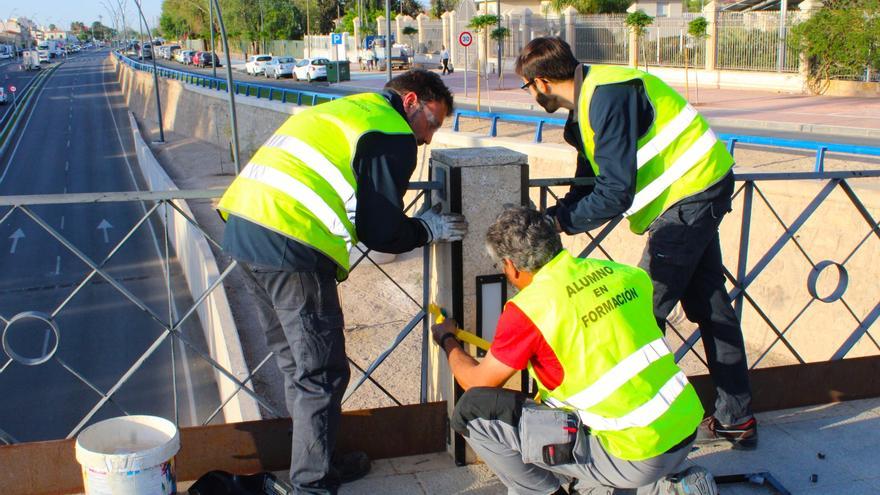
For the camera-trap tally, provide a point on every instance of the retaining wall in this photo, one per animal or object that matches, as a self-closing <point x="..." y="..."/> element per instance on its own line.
<point x="200" y="270"/>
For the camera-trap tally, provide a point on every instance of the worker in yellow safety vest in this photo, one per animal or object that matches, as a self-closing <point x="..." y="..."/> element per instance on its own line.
<point x="330" y="177"/>
<point x="657" y="163"/>
<point x="614" y="411"/>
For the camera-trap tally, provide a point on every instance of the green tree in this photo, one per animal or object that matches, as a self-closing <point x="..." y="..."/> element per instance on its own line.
<point x="481" y="24"/>
<point x="697" y="29"/>
<point x="592" y="6"/>
<point x="410" y="32"/>
<point x="438" y="7"/>
<point x="638" y="21"/>
<point x="840" y="40"/>
<point x="499" y="34"/>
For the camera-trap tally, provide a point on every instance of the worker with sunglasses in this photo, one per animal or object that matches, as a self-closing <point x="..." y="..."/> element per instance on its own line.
<point x="656" y="162"/>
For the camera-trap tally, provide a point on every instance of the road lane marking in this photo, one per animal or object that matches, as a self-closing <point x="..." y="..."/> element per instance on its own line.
<point x="62" y="222"/>
<point x="57" y="268"/>
<point x="66" y="165"/>
<point x="18" y="234"/>
<point x="24" y="130"/>
<point x="46" y="342"/>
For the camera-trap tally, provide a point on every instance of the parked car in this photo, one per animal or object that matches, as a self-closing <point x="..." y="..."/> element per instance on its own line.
<point x="185" y="56"/>
<point x="256" y="63"/>
<point x="205" y="59"/>
<point x="169" y="50"/>
<point x="146" y="52"/>
<point x="279" y="67"/>
<point x="309" y="69"/>
<point x="195" y="58"/>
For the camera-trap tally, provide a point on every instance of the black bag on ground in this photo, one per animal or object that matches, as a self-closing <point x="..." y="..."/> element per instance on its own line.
<point x="223" y="483"/>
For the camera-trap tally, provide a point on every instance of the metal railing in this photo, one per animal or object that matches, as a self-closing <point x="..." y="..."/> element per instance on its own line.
<point x="161" y="206"/>
<point x="759" y="209"/>
<point x="601" y="39"/>
<point x="755" y="41"/>
<point x="284" y="95"/>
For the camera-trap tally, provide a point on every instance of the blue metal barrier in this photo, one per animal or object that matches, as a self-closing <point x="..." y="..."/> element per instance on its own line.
<point x="215" y="83"/>
<point x="495" y="117"/>
<point x="821" y="148"/>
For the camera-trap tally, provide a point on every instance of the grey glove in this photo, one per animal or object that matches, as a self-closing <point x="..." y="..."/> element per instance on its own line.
<point x="443" y="227"/>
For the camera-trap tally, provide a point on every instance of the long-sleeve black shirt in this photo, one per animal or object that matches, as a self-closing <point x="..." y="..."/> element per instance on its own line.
<point x="620" y="114"/>
<point x="383" y="165"/>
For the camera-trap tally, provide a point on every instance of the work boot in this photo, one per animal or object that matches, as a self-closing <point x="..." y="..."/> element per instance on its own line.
<point x="695" y="480"/>
<point x="350" y="466"/>
<point x="743" y="436"/>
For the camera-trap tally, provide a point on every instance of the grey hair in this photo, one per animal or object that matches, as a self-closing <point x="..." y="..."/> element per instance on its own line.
<point x="525" y="237"/>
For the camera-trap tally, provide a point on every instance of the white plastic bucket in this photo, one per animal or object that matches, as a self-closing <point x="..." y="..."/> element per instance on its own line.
<point x="128" y="455"/>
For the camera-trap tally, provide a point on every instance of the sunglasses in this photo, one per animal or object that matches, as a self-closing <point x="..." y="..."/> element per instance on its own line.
<point x="527" y="85"/>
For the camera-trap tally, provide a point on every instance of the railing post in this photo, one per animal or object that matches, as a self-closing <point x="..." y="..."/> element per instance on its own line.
<point x="820" y="159"/>
<point x="539" y="131"/>
<point x="456" y="268"/>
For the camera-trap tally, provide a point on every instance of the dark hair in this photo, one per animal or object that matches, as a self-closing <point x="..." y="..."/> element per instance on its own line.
<point x="548" y="58"/>
<point x="425" y="84"/>
<point x="525" y="237"/>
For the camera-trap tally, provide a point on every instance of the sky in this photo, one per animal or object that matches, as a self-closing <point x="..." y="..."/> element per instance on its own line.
<point x="63" y="12"/>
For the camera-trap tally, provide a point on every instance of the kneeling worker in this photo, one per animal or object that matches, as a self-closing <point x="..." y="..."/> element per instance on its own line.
<point x="616" y="411"/>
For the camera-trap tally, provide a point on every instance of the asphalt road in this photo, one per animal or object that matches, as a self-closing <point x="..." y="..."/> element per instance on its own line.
<point x="12" y="75"/>
<point x="77" y="139"/>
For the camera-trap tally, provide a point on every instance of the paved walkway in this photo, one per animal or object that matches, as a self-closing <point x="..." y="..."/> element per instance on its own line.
<point x="725" y="107"/>
<point x="836" y="445"/>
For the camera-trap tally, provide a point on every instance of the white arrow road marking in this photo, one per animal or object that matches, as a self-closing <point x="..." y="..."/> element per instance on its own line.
<point x="104" y="225"/>
<point x="18" y="234"/>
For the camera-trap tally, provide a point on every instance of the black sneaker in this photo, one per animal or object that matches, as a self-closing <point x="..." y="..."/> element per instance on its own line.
<point x="743" y="436"/>
<point x="351" y="466"/>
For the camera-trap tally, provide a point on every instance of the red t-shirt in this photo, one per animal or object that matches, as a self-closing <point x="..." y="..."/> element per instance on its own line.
<point x="519" y="342"/>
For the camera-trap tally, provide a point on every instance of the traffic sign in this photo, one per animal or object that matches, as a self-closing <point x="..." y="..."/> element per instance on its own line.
<point x="336" y="38"/>
<point x="465" y="38"/>
<point x="12" y="89"/>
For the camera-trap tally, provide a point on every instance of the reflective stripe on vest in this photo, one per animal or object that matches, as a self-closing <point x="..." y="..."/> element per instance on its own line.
<point x="678" y="157"/>
<point x="618" y="373"/>
<point x="300" y="183"/>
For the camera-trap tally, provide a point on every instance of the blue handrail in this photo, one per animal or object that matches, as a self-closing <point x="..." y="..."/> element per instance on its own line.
<point x="258" y="90"/>
<point x="732" y="139"/>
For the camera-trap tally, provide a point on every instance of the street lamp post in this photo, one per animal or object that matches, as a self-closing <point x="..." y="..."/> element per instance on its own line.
<point x="155" y="72"/>
<point x="230" y="89"/>
<point x="213" y="53"/>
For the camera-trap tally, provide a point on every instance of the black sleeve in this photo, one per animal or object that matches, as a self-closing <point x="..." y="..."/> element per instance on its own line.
<point x="572" y="135"/>
<point x="614" y="116"/>
<point x="383" y="165"/>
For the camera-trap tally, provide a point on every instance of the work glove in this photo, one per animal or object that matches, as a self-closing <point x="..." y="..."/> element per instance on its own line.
<point x="443" y="227"/>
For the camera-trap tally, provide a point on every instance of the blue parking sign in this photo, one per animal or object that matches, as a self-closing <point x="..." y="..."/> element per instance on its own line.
<point x="336" y="38"/>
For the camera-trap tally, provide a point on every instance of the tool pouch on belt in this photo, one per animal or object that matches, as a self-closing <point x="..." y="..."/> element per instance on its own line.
<point x="547" y="435"/>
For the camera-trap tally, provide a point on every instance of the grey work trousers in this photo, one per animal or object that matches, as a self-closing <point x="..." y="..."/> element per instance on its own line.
<point x="683" y="258"/>
<point x="489" y="419"/>
<point x="302" y="318"/>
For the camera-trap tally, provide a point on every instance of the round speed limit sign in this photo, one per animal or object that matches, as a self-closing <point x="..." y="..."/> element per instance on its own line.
<point x="465" y="38"/>
<point x="12" y="89"/>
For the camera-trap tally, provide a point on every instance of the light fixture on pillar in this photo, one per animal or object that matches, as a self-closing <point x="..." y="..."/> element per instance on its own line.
<point x="491" y="296"/>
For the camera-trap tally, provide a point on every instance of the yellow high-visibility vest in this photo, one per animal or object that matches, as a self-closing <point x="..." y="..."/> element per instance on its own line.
<point x="619" y="375"/>
<point x="678" y="157"/>
<point x="300" y="183"/>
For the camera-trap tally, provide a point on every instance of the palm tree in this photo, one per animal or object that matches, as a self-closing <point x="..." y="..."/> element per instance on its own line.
<point x="499" y="34"/>
<point x="481" y="24"/>
<point x="638" y="21"/>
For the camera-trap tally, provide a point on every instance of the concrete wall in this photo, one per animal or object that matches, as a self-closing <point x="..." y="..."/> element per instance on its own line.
<point x="833" y="232"/>
<point x="200" y="269"/>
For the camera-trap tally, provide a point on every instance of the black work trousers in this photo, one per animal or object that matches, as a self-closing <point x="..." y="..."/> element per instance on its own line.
<point x="302" y="318"/>
<point x="683" y="258"/>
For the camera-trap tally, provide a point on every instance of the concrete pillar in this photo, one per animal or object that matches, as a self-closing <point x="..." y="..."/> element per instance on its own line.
<point x="807" y="9"/>
<point x="444" y="39"/>
<point x="570" y="14"/>
<point x="420" y="25"/>
<point x="357" y="35"/>
<point x="452" y="42"/>
<point x="710" y="12"/>
<point x="380" y="25"/>
<point x="633" y="49"/>
<point x="525" y="28"/>
<point x="479" y="182"/>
